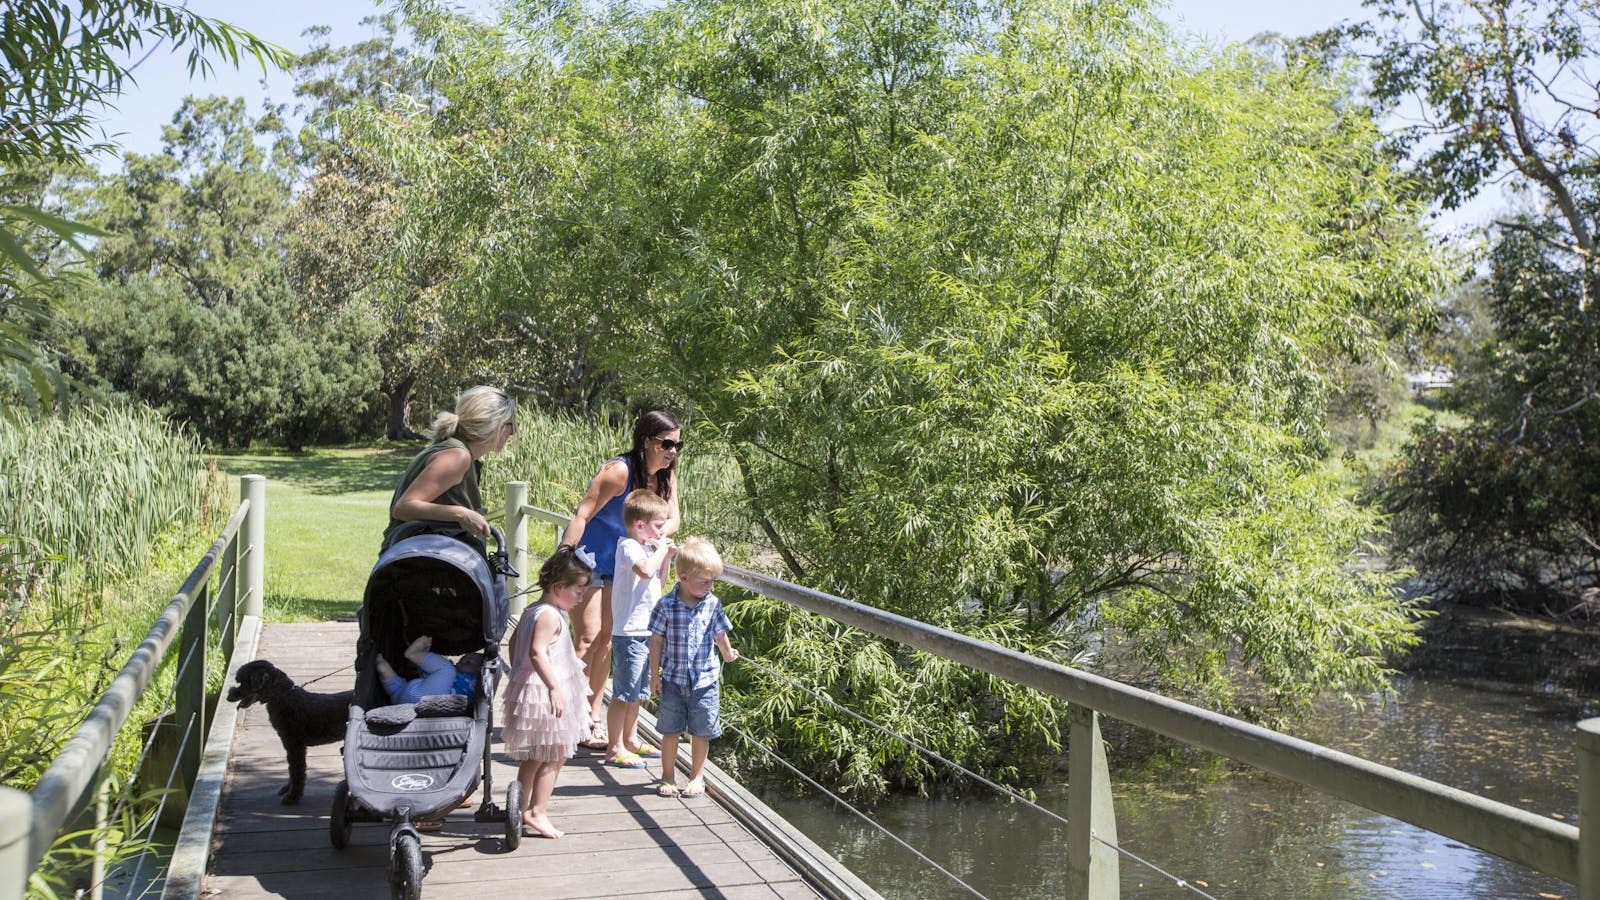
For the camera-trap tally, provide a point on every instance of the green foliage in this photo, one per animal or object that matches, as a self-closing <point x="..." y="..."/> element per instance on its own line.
<point x="1503" y="84"/>
<point x="557" y="454"/>
<point x="87" y="495"/>
<point x="251" y="369"/>
<point x="60" y="62"/>
<point x="195" y="314"/>
<point x="344" y="240"/>
<point x="1502" y="510"/>
<point x="94" y="501"/>
<point x="1498" y="510"/>
<point x="788" y="658"/>
<point x="1023" y="307"/>
<point x="983" y="326"/>
<point x="63" y="60"/>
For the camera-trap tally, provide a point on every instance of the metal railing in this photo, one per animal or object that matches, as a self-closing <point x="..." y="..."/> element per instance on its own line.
<point x="1570" y="853"/>
<point x="32" y="821"/>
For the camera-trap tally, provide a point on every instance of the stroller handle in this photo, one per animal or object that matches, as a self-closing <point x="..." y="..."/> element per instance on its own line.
<point x="499" y="560"/>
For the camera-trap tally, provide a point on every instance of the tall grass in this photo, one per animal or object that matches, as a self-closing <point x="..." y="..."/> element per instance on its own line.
<point x="557" y="455"/>
<point x="95" y="510"/>
<point x="86" y="497"/>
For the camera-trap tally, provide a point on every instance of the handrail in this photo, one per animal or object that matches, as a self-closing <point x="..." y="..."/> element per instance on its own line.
<point x="1538" y="843"/>
<point x="64" y="789"/>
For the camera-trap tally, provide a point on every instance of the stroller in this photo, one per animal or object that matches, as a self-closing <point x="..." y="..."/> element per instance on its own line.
<point x="404" y="763"/>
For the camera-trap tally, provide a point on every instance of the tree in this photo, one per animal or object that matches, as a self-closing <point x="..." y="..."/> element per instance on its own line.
<point x="1494" y="509"/>
<point x="60" y="62"/>
<point x="347" y="218"/>
<point x="490" y="173"/>
<point x="1021" y="311"/>
<point x="1015" y="320"/>
<point x="197" y="316"/>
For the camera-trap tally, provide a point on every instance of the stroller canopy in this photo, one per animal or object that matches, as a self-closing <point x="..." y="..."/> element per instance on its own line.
<point x="435" y="584"/>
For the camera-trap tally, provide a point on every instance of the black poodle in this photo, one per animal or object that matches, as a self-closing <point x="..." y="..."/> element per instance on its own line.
<point x="300" y="717"/>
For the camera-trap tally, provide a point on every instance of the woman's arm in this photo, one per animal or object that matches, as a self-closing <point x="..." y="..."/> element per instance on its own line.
<point x="443" y="472"/>
<point x="610" y="481"/>
<point x="673" y="520"/>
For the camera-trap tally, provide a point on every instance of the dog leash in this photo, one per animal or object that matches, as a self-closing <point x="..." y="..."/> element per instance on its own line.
<point x="329" y="675"/>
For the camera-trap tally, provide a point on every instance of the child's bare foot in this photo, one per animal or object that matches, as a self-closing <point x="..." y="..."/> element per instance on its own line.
<point x="542" y="826"/>
<point x="385" y="671"/>
<point x="419" y="648"/>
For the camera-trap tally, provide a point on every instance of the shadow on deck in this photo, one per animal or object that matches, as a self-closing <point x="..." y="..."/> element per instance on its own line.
<point x="621" y="839"/>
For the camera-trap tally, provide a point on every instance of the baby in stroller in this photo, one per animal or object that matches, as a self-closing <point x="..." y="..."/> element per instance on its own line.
<point x="439" y="675"/>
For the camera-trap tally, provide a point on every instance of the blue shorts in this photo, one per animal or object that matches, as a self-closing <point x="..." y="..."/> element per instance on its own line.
<point x="698" y="708"/>
<point x="630" y="668"/>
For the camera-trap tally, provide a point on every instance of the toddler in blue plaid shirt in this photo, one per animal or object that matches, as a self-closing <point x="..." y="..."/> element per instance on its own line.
<point x="685" y="626"/>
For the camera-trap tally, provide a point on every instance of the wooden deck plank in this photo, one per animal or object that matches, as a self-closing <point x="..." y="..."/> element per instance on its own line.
<point x="621" y="839"/>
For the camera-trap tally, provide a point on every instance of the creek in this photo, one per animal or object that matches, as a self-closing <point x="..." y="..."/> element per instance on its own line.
<point x="1237" y="833"/>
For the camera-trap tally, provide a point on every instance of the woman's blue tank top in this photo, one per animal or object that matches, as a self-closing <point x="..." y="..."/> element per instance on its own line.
<point x="601" y="534"/>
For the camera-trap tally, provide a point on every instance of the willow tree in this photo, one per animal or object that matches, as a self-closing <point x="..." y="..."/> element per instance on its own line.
<point x="1020" y="310"/>
<point x="1014" y="317"/>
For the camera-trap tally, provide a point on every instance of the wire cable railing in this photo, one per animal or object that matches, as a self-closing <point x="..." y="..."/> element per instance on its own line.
<point x="76" y="782"/>
<point x="998" y="788"/>
<point x="1554" y="848"/>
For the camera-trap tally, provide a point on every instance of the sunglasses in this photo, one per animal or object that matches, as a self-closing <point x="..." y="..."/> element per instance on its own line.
<point x="667" y="444"/>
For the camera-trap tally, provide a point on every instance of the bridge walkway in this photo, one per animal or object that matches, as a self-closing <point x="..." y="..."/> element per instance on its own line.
<point x="621" y="839"/>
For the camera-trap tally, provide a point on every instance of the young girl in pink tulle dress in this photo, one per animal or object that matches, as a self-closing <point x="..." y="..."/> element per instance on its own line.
<point x="547" y="696"/>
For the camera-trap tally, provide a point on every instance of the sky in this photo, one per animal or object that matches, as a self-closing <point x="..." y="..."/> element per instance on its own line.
<point x="161" y="80"/>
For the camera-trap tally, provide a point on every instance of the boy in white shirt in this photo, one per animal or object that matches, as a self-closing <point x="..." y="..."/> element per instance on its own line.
<point x="642" y="560"/>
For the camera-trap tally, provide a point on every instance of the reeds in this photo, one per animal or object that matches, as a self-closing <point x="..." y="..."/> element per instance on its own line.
<point x="85" y="497"/>
<point x="557" y="455"/>
<point x="85" y="501"/>
<point x="88" y="503"/>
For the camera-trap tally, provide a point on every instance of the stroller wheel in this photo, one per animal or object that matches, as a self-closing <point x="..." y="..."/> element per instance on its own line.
<point x="339" y="819"/>
<point x="513" y="815"/>
<point x="405" y="869"/>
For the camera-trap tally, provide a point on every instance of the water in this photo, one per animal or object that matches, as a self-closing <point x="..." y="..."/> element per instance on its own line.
<point x="1233" y="832"/>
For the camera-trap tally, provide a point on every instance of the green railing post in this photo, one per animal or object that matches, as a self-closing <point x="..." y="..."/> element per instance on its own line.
<point x="190" y="701"/>
<point x="16" y="821"/>
<point x="102" y="835"/>
<point x="1589" y="809"/>
<point x="517" y="536"/>
<point x="227" y="620"/>
<point x="253" y="535"/>
<point x="1092" y="869"/>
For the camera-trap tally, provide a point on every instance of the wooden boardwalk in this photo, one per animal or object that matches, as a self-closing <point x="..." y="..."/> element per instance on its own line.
<point x="621" y="839"/>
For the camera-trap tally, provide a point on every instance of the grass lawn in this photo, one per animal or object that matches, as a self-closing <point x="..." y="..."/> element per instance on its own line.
<point x="326" y="511"/>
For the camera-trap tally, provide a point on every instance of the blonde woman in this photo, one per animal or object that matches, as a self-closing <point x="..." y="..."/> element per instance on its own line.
<point x="441" y="484"/>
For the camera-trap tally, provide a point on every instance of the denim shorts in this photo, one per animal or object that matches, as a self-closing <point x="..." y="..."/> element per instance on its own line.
<point x="630" y="668"/>
<point x="696" y="707"/>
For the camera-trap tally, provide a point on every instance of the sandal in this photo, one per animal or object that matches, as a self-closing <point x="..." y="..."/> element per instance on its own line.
<point x="649" y="751"/>
<point x="625" y="761"/>
<point x="427" y="824"/>
<point x="667" y="789"/>
<point x="596" y="739"/>
<point x="695" y="788"/>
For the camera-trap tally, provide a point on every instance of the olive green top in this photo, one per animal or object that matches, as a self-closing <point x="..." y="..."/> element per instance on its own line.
<point x="463" y="493"/>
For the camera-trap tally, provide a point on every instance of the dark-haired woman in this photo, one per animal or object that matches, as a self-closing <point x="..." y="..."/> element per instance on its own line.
<point x="650" y="464"/>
